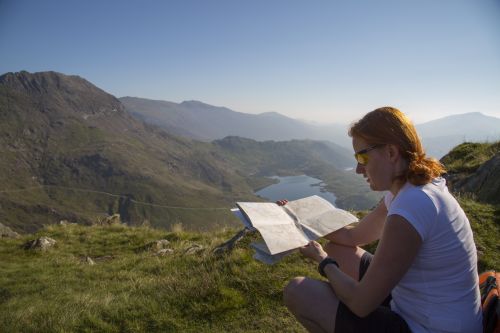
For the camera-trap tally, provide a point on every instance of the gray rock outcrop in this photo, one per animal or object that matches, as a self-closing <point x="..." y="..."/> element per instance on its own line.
<point x="41" y="244"/>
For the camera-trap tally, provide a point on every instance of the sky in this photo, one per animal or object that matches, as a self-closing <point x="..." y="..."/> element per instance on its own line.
<point x="325" y="61"/>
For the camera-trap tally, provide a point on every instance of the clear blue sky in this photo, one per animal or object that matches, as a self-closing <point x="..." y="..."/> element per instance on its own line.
<point x="328" y="61"/>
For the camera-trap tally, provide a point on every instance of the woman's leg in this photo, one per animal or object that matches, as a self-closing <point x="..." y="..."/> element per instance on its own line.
<point x="348" y="257"/>
<point x="313" y="303"/>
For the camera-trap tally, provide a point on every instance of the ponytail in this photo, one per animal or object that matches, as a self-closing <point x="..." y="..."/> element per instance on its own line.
<point x="422" y="170"/>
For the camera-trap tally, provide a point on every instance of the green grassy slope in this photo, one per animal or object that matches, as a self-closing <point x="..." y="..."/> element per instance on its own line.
<point x="57" y="291"/>
<point x="131" y="290"/>
<point x="474" y="177"/>
<point x="474" y="168"/>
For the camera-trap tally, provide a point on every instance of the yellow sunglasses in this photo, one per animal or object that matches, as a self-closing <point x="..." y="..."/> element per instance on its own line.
<point x="362" y="155"/>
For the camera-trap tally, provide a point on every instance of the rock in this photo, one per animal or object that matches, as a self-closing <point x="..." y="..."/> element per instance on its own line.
<point x="89" y="261"/>
<point x="93" y="261"/>
<point x="104" y="258"/>
<point x="164" y="252"/>
<point x="155" y="246"/>
<point x="229" y="245"/>
<point x="41" y="244"/>
<point x="6" y="232"/>
<point x="159" y="244"/>
<point x="113" y="219"/>
<point x="66" y="222"/>
<point x="193" y="249"/>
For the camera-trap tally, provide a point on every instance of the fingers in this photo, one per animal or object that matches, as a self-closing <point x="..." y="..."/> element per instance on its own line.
<point x="282" y="202"/>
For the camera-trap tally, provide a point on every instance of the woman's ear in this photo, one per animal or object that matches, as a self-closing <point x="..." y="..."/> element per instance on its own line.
<point x="393" y="152"/>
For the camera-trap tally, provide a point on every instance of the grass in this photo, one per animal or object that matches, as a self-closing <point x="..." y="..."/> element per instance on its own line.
<point x="485" y="222"/>
<point x="57" y="291"/>
<point x="468" y="157"/>
<point x="129" y="289"/>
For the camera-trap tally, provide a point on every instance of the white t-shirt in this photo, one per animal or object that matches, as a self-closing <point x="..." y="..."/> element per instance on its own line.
<point x="440" y="292"/>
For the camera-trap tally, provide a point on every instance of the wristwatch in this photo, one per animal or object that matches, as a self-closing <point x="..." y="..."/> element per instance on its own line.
<point x="323" y="263"/>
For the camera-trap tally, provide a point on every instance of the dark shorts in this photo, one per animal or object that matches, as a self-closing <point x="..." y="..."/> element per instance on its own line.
<point x="383" y="319"/>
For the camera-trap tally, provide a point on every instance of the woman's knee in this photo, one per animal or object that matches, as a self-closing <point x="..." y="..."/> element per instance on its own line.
<point x="292" y="291"/>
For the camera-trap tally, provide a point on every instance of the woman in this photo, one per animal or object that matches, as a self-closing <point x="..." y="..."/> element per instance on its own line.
<point x="423" y="277"/>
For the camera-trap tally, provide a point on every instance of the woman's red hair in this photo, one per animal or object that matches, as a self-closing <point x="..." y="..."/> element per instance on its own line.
<point x="388" y="125"/>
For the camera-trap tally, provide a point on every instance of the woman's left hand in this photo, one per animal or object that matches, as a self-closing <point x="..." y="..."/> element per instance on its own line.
<point x="314" y="251"/>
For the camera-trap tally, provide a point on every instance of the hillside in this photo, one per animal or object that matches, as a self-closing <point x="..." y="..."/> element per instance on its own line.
<point x="474" y="177"/>
<point x="474" y="168"/>
<point x="130" y="289"/>
<point x="78" y="154"/>
<point x="72" y="151"/>
<point x="111" y="278"/>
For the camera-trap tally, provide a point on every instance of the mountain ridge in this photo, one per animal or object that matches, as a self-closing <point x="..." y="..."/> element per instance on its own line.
<point x="438" y="136"/>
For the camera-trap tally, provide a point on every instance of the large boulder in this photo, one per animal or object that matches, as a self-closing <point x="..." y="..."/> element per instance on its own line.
<point x="484" y="182"/>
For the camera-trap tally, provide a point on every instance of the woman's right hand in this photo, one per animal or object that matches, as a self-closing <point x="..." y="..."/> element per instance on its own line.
<point x="282" y="202"/>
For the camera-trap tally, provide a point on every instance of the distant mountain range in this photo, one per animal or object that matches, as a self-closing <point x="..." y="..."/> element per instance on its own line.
<point x="206" y="122"/>
<point x="72" y="151"/>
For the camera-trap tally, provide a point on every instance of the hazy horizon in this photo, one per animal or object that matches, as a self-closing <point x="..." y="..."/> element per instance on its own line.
<point x="311" y="121"/>
<point x="327" y="62"/>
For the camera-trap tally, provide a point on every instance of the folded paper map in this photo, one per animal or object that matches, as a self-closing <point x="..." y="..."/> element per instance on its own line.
<point x="285" y="228"/>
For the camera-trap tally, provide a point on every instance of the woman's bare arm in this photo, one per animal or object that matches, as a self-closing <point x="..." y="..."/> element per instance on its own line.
<point x="396" y="251"/>
<point x="366" y="231"/>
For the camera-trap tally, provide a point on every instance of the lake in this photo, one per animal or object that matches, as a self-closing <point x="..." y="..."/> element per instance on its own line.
<point x="296" y="187"/>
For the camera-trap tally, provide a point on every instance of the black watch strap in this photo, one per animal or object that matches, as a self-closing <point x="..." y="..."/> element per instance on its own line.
<point x="323" y="263"/>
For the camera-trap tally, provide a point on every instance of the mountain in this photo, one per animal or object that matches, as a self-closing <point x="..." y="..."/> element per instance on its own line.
<point x="207" y="122"/>
<point x="441" y="135"/>
<point x="60" y="134"/>
<point x="71" y="151"/>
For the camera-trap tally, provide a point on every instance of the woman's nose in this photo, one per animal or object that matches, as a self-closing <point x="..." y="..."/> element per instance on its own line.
<point x="360" y="168"/>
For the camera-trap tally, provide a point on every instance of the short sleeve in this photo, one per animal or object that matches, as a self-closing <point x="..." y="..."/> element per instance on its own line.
<point x="417" y="208"/>
<point x="388" y="199"/>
